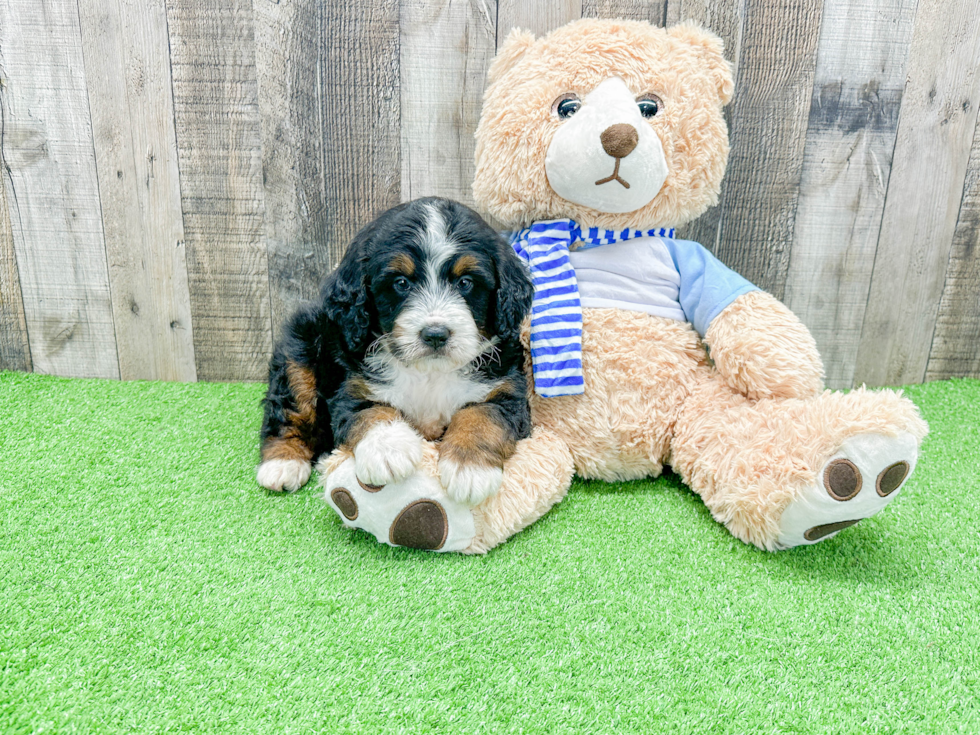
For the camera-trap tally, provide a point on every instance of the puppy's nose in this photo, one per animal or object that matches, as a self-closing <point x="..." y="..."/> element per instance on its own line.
<point x="435" y="336"/>
<point x="619" y="140"/>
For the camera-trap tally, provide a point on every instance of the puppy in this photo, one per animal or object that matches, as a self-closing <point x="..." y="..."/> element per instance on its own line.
<point x="416" y="334"/>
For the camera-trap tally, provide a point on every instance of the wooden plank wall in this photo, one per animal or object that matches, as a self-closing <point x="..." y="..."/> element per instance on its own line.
<point x="177" y="176"/>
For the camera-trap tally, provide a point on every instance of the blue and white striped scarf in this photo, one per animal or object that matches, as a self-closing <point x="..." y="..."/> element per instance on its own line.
<point x="556" y="314"/>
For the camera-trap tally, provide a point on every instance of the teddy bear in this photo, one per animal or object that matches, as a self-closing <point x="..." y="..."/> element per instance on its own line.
<point x="595" y="143"/>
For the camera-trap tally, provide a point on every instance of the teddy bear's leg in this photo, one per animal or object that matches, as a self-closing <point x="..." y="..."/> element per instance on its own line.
<point x="780" y="473"/>
<point x="535" y="478"/>
<point x="414" y="512"/>
<point x="418" y="513"/>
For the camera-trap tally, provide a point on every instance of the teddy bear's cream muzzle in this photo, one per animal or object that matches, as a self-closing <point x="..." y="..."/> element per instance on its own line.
<point x="607" y="156"/>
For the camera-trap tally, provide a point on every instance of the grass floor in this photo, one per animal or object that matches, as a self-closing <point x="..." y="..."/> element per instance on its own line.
<point x="149" y="585"/>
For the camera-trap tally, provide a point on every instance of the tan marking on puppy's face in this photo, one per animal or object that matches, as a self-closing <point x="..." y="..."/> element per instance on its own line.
<point x="473" y="437"/>
<point x="465" y="264"/>
<point x="366" y="420"/>
<point x="402" y="263"/>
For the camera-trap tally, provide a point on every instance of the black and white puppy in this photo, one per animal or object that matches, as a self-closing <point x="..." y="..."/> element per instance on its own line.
<point x="416" y="335"/>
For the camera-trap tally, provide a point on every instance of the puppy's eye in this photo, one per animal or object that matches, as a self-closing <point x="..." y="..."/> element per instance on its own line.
<point x="650" y="105"/>
<point x="566" y="106"/>
<point x="402" y="285"/>
<point x="465" y="285"/>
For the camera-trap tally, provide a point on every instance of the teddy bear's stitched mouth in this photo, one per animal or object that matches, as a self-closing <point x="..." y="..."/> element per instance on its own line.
<point x="615" y="177"/>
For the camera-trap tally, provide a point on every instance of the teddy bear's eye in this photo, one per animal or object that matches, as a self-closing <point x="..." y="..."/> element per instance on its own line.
<point x="566" y="106"/>
<point x="650" y="105"/>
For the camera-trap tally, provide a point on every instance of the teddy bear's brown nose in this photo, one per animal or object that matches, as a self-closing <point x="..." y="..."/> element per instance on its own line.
<point x="619" y="140"/>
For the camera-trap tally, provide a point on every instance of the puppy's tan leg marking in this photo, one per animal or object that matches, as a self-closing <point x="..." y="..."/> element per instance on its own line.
<point x="472" y="455"/>
<point x="286" y="458"/>
<point x="506" y="388"/>
<point x="368" y="419"/>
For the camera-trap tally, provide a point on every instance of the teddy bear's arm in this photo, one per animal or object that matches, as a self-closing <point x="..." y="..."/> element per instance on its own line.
<point x="757" y="344"/>
<point x="763" y="350"/>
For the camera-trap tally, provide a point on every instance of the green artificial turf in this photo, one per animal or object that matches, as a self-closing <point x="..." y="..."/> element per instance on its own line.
<point x="149" y="585"/>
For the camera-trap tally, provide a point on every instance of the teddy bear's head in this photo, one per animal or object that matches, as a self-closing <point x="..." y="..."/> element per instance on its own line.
<point x="611" y="123"/>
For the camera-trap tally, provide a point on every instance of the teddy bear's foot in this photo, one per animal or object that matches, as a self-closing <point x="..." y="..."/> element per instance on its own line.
<point x="419" y="513"/>
<point x="414" y="512"/>
<point x="858" y="481"/>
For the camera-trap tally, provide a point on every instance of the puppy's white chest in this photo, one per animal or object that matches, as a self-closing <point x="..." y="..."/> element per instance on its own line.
<point x="429" y="399"/>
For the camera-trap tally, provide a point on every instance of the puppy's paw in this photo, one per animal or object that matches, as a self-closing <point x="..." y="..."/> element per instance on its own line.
<point x="469" y="484"/>
<point x="387" y="453"/>
<point x="283" y="474"/>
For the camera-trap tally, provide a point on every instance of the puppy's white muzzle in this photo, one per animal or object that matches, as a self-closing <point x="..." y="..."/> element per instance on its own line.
<point x="579" y="155"/>
<point x="437" y="328"/>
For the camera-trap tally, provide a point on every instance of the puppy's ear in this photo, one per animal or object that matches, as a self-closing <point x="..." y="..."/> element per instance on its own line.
<point x="346" y="298"/>
<point x="514" y="292"/>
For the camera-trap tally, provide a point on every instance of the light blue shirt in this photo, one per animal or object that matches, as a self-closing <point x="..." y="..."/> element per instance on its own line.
<point x="675" y="279"/>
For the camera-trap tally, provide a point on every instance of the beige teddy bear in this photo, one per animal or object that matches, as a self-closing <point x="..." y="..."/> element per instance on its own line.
<point x="594" y="143"/>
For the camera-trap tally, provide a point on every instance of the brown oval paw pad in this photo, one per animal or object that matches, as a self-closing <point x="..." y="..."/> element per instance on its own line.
<point x="818" y="532"/>
<point x="345" y="502"/>
<point x="891" y="478"/>
<point x="842" y="479"/>
<point x="421" y="525"/>
<point x="369" y="488"/>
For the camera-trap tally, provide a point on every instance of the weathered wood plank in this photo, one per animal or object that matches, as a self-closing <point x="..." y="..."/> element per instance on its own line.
<point x="769" y="120"/>
<point x="857" y="95"/>
<point x="360" y="110"/>
<point x="538" y="17"/>
<point x="289" y="61"/>
<point x="446" y="49"/>
<point x="652" y="11"/>
<point x="935" y="132"/>
<point x="15" y="351"/>
<point x="127" y="64"/>
<point x="220" y="156"/>
<point x="724" y="18"/>
<point x="956" y="343"/>
<point x="53" y="191"/>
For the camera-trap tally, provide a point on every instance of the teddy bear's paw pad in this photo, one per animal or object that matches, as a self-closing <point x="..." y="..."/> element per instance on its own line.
<point x="344" y="502"/>
<point x="415" y="512"/>
<point x="421" y="525"/>
<point x="369" y="488"/>
<point x="857" y="482"/>
<point x="818" y="532"/>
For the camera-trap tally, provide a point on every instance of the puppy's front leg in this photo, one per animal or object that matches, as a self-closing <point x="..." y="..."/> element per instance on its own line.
<point x="289" y="426"/>
<point x="386" y="449"/>
<point x="473" y="451"/>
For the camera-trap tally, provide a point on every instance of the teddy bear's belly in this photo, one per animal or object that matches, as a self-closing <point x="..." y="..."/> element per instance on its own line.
<point x="638" y="371"/>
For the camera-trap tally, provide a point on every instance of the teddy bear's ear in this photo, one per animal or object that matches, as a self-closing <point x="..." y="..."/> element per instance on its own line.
<point x="712" y="51"/>
<point x="518" y="41"/>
